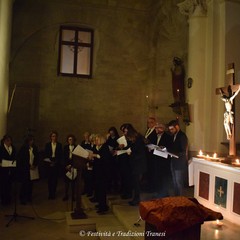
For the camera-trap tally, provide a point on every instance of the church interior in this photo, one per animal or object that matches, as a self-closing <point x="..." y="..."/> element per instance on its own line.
<point x="142" y="58"/>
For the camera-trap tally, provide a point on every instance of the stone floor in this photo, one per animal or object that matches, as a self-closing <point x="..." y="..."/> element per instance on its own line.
<point x="50" y="220"/>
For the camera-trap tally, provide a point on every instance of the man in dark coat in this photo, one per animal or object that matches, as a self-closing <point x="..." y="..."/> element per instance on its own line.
<point x="179" y="146"/>
<point x="162" y="171"/>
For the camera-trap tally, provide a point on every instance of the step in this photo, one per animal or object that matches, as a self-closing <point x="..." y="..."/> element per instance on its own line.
<point x="129" y="216"/>
<point x="94" y="224"/>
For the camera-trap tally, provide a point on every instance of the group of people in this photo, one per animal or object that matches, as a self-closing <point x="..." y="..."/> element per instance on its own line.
<point x="125" y="167"/>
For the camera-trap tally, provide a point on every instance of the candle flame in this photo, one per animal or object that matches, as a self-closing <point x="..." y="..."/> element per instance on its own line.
<point x="237" y="161"/>
<point x="214" y="155"/>
<point x="200" y="153"/>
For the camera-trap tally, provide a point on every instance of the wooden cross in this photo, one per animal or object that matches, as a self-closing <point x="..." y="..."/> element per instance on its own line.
<point x="228" y="94"/>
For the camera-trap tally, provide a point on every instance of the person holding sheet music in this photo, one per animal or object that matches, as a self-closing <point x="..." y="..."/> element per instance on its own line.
<point x="68" y="165"/>
<point x="53" y="155"/>
<point x="178" y="146"/>
<point x="7" y="174"/>
<point x="100" y="156"/>
<point x="150" y="137"/>
<point x="162" y="171"/>
<point x="113" y="183"/>
<point x="137" y="160"/>
<point x="88" y="144"/>
<point x="28" y="158"/>
<point x="124" y="166"/>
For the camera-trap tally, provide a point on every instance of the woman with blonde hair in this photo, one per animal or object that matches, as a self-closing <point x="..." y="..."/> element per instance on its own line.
<point x="101" y="156"/>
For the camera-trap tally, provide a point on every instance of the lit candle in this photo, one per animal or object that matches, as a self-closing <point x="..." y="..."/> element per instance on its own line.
<point x="214" y="155"/>
<point x="200" y="153"/>
<point x="207" y="156"/>
<point x="236" y="162"/>
<point x="218" y="223"/>
<point x="178" y="94"/>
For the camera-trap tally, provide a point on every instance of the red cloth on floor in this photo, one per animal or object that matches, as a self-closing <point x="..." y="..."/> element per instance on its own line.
<point x="175" y="214"/>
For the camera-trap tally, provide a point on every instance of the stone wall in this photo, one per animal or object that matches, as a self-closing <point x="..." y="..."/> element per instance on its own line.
<point x="134" y="44"/>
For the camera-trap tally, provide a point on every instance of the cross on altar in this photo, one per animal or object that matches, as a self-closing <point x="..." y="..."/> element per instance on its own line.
<point x="220" y="191"/>
<point x="227" y="95"/>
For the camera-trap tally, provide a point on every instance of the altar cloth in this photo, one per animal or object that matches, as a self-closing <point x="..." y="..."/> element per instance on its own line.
<point x="175" y="214"/>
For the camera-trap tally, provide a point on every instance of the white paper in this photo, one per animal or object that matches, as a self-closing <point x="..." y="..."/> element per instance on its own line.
<point x="80" y="151"/>
<point x="34" y="173"/>
<point x="152" y="146"/>
<point x="47" y="160"/>
<point x="120" y="152"/>
<point x="90" y="151"/>
<point x="160" y="153"/>
<point x="72" y="174"/>
<point x="9" y="163"/>
<point x="122" y="141"/>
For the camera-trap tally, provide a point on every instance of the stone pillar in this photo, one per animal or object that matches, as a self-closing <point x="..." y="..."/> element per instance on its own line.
<point x="196" y="10"/>
<point x="5" y="39"/>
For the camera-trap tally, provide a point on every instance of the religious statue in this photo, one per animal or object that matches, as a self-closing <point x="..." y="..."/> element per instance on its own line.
<point x="178" y="76"/>
<point x="228" y="114"/>
<point x="180" y="107"/>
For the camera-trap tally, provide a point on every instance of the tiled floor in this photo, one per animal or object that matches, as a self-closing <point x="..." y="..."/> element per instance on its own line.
<point x="50" y="222"/>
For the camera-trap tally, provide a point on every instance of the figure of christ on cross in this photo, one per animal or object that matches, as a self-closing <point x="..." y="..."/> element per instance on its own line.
<point x="228" y="114"/>
<point x="227" y="95"/>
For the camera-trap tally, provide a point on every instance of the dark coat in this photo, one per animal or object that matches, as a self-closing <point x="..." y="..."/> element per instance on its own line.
<point x="152" y="138"/>
<point x="7" y="172"/>
<point x="101" y="164"/>
<point x="112" y="142"/>
<point x="58" y="153"/>
<point x="180" y="148"/>
<point x="138" y="156"/>
<point x="4" y="154"/>
<point x="23" y="164"/>
<point x="66" y="151"/>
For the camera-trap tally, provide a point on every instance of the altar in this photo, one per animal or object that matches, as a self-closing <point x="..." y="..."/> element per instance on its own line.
<point x="217" y="186"/>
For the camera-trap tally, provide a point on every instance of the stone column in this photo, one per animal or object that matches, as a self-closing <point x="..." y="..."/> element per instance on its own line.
<point x="5" y="38"/>
<point x="196" y="95"/>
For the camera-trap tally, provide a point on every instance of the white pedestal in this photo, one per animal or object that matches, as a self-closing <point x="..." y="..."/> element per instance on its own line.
<point x="217" y="186"/>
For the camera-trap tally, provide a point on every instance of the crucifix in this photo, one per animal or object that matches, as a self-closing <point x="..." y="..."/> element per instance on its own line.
<point x="227" y="95"/>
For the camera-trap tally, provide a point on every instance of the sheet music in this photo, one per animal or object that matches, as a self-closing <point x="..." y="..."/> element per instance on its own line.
<point x="120" y="152"/>
<point x="122" y="141"/>
<point x="152" y="146"/>
<point x="163" y="153"/>
<point x="80" y="151"/>
<point x="160" y="153"/>
<point x="47" y="160"/>
<point x="9" y="163"/>
<point x="34" y="173"/>
<point x="72" y="174"/>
